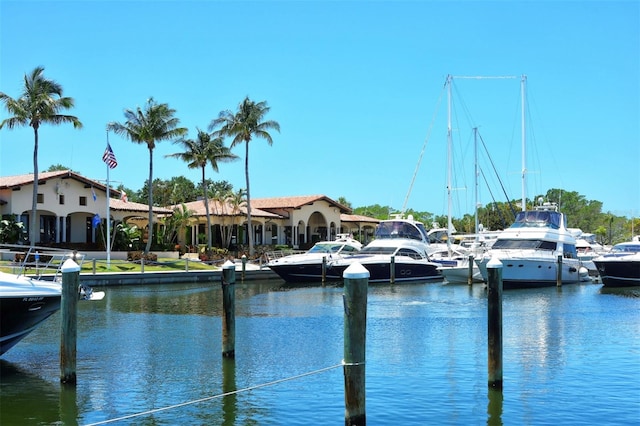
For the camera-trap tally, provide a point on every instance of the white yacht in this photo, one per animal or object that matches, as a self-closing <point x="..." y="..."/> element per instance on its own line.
<point x="529" y="250"/>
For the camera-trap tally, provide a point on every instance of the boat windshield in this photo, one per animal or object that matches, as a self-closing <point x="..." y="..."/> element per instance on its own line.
<point x="524" y="245"/>
<point x="399" y="229"/>
<point x="538" y="219"/>
<point x="626" y="248"/>
<point x="378" y="250"/>
<point x="325" y="248"/>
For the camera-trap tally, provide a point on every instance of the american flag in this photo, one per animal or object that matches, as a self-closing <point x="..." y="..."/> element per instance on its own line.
<point x="109" y="157"/>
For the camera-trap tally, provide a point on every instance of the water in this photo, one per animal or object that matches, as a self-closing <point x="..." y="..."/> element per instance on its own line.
<point x="571" y="357"/>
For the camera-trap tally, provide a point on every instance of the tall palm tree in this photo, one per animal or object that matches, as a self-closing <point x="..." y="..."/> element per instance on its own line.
<point x="204" y="150"/>
<point x="242" y="127"/>
<point x="40" y="102"/>
<point x="154" y="123"/>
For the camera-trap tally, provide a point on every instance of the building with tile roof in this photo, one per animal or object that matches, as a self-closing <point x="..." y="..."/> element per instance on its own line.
<point x="298" y="221"/>
<point x="68" y="203"/>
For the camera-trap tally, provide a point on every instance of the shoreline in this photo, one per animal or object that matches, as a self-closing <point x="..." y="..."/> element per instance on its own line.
<point x="106" y="279"/>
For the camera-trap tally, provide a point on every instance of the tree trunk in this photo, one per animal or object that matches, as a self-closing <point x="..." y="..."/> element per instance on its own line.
<point x="34" y="228"/>
<point x="249" y="224"/>
<point x="206" y="209"/>
<point x="147" y="248"/>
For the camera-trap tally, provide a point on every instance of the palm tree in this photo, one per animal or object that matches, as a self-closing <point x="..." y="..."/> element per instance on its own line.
<point x="40" y="102"/>
<point x="204" y="149"/>
<point x="243" y="126"/>
<point x="153" y="124"/>
<point x="235" y="200"/>
<point x="177" y="223"/>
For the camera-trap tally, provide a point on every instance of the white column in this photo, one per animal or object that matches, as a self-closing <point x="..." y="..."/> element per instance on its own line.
<point x="64" y="229"/>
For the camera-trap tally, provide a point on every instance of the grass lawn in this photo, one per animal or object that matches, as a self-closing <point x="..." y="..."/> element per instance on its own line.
<point x="124" y="266"/>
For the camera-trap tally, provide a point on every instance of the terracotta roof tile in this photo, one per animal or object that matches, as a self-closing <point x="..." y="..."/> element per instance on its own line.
<point x="218" y="209"/>
<point x="357" y="218"/>
<point x="293" y="202"/>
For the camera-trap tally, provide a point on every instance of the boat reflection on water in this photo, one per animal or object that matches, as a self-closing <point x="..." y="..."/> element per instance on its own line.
<point x="622" y="291"/>
<point x="51" y="402"/>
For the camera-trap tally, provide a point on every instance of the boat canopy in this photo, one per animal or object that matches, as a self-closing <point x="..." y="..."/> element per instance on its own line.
<point x="400" y="229"/>
<point x="538" y="219"/>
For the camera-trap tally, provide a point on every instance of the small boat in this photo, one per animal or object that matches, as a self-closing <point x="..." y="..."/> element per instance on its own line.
<point x="455" y="266"/>
<point x="621" y="266"/>
<point x="530" y="247"/>
<point x="308" y="266"/>
<point x="26" y="301"/>
<point x="400" y="242"/>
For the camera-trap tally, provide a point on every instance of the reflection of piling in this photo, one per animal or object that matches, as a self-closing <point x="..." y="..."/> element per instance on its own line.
<point x="69" y="321"/>
<point x="229" y="395"/>
<point x="494" y="329"/>
<point x="356" y="283"/>
<point x="229" y="310"/>
<point x="494" y="408"/>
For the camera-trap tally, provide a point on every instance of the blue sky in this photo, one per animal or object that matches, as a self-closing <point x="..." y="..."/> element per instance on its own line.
<point x="357" y="88"/>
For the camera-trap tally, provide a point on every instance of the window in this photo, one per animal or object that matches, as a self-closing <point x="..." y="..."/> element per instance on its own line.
<point x="83" y="201"/>
<point x="61" y="198"/>
<point x="40" y="198"/>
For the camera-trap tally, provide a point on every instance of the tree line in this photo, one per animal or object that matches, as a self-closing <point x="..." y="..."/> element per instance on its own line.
<point x="584" y="214"/>
<point x="581" y="213"/>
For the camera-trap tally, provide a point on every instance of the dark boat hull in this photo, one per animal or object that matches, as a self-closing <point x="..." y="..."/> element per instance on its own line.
<point x="305" y="273"/>
<point x="618" y="273"/>
<point x="21" y="315"/>
<point x="378" y="272"/>
<point x="403" y="272"/>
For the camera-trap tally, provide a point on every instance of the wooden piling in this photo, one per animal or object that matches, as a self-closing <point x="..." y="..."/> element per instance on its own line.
<point x="324" y="269"/>
<point x="559" y="272"/>
<point x="228" y="310"/>
<point x="69" y="321"/>
<point x="356" y="283"/>
<point x="392" y="269"/>
<point x="244" y="266"/>
<point x="494" y="328"/>
<point x="186" y="264"/>
<point x="470" y="271"/>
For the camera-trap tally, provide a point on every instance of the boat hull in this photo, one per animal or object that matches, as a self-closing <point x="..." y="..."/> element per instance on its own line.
<point x="460" y="274"/>
<point x="533" y="272"/>
<point x="24" y="304"/>
<point x="299" y="273"/>
<point x="379" y="268"/>
<point x="619" y="273"/>
<point x="21" y="315"/>
<point x="378" y="272"/>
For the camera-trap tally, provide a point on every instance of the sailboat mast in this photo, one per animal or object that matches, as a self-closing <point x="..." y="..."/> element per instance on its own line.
<point x="475" y="173"/>
<point x="449" y="162"/>
<point x="524" y="143"/>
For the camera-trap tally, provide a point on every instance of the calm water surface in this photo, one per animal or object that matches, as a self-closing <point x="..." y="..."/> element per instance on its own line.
<point x="571" y="357"/>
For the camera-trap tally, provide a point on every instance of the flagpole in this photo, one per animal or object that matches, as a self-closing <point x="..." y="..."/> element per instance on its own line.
<point x="108" y="237"/>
